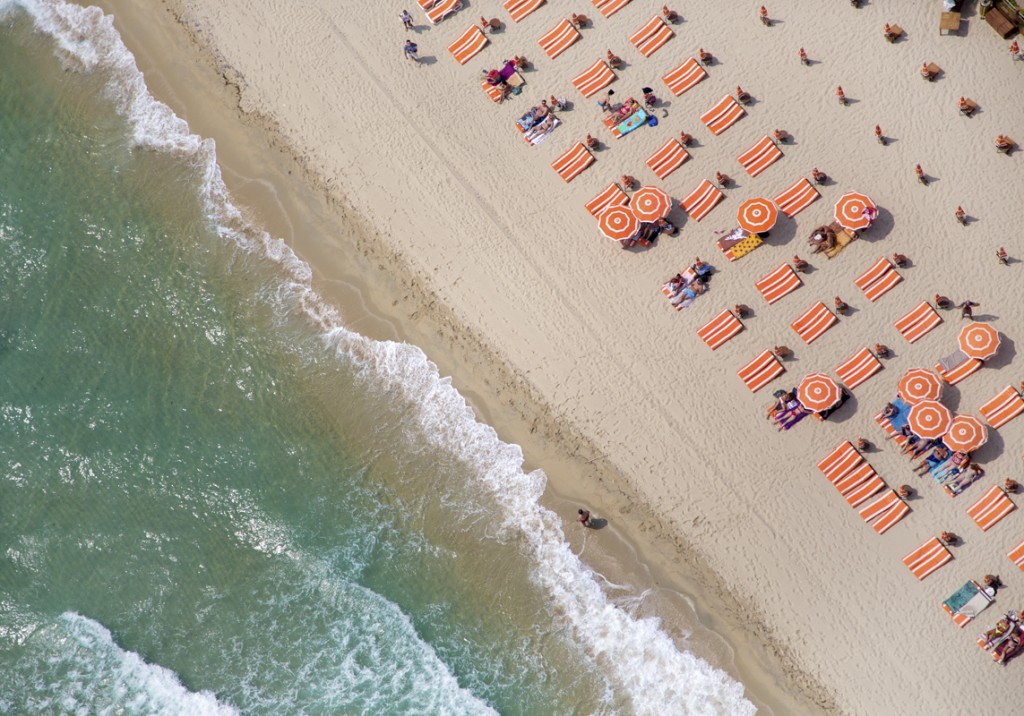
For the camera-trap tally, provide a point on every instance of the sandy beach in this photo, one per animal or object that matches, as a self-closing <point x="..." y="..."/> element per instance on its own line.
<point x="473" y="248"/>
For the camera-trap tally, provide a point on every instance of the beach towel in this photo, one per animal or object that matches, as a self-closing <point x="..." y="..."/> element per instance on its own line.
<point x="720" y="329"/>
<point x="878" y="279"/>
<point x="813" y="322"/>
<point x="966" y="603"/>
<point x="993" y="506"/>
<point x="761" y="371"/>
<point x="684" y="77"/>
<point x="609" y="7"/>
<point x="1016" y="556"/>
<point x="736" y="248"/>
<point x="969" y="366"/>
<point x="919" y="322"/>
<point x="689" y="275"/>
<point x="760" y="156"/>
<point x="701" y="200"/>
<point x="796" y="198"/>
<point x="637" y="119"/>
<point x="669" y="157"/>
<point x="858" y="368"/>
<point x="468" y="45"/>
<point x="725" y="113"/>
<point x="927" y="558"/>
<point x="559" y="38"/>
<point x="962" y="480"/>
<point x="493" y="91"/>
<point x="593" y="79"/>
<point x="611" y="195"/>
<point x="843" y="239"/>
<point x="1003" y="408"/>
<point x="535" y="136"/>
<point x="778" y="283"/>
<point x="519" y="9"/>
<point x="651" y="36"/>
<point x="573" y="162"/>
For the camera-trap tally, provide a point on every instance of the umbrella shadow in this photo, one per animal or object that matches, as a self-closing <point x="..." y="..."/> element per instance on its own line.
<point x="1007" y="352"/>
<point x="951" y="397"/>
<point x="883" y="225"/>
<point x="845" y="411"/>
<point x="992" y="449"/>
<point x="782" y="233"/>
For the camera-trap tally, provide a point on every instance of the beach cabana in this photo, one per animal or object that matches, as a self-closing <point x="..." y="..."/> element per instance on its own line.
<point x="849" y="211"/>
<point x="778" y="283"/>
<point x="558" y="39"/>
<point x="927" y="558"/>
<point x="813" y="322"/>
<point x="919" y="384"/>
<point x="878" y="280"/>
<point x="684" y="77"/>
<point x="797" y="197"/>
<point x="1002" y="408"/>
<point x="720" y="329"/>
<point x="725" y="113"/>
<point x="669" y="157"/>
<point x="757" y="215"/>
<point x="649" y="38"/>
<point x="761" y="155"/>
<point x="929" y="419"/>
<point x="858" y="368"/>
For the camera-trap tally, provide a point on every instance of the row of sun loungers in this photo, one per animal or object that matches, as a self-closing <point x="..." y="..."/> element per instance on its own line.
<point x="858" y="482"/>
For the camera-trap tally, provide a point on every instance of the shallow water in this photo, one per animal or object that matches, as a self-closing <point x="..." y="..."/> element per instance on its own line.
<point x="215" y="496"/>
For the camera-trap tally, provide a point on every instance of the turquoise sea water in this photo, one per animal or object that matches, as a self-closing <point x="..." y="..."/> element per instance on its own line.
<point x="214" y="497"/>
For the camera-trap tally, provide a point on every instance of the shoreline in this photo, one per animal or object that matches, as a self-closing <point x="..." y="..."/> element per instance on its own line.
<point x="499" y="397"/>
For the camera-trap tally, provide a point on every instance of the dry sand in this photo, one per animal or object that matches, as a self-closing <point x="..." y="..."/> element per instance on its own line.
<point x="488" y="230"/>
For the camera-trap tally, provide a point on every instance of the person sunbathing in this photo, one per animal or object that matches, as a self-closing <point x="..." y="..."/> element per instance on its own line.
<point x="684" y="292"/>
<point x="994" y="636"/>
<point x="665" y="227"/>
<point x="939" y="454"/>
<point x="722" y="179"/>
<point x="542" y="127"/>
<point x="799" y="265"/>
<point x="842" y="308"/>
<point x="953" y="466"/>
<point x="701" y="268"/>
<point x="1009" y="648"/>
<point x="889" y="411"/>
<point x="942" y="302"/>
<point x="881" y="350"/>
<point x="579" y="20"/>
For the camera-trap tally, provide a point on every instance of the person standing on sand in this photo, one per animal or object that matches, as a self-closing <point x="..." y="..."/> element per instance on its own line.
<point x="583" y="517"/>
<point x="967" y="309"/>
<point x="411" y="51"/>
<point x="406" y="19"/>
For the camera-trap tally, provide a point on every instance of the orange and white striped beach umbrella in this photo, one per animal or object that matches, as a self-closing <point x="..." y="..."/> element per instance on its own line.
<point x="979" y="340"/>
<point x="965" y="433"/>
<point x="757" y="215"/>
<point x="649" y="203"/>
<point x="929" y="419"/>
<point x="818" y="392"/>
<point x="850" y="210"/>
<point x="919" y="384"/>
<point x="618" y="223"/>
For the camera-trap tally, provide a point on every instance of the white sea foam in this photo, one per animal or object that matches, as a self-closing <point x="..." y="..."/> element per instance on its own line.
<point x="638" y="656"/>
<point x="82" y="670"/>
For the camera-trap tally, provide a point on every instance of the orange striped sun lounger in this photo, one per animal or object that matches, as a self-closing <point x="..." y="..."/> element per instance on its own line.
<point x="492" y="91"/>
<point x="519" y="9"/>
<point x="669" y="157"/>
<point x="609" y="7"/>
<point x="860" y="494"/>
<point x="651" y="36"/>
<point x="759" y="157"/>
<point x="970" y="600"/>
<point x="441" y="10"/>
<point x="886" y="511"/>
<point x="814" y="322"/>
<point x="954" y="376"/>
<point x="993" y="506"/>
<point x="684" y="77"/>
<point x="723" y="115"/>
<point x="469" y="43"/>
<point x="840" y="461"/>
<point x="611" y="196"/>
<point x="1016" y="556"/>
<point x="858" y="368"/>
<point x="796" y="198"/>
<point x="761" y="371"/>
<point x="1003" y="408"/>
<point x="854" y="478"/>
<point x="701" y="200"/>
<point x="878" y="279"/>
<point x="559" y="38"/>
<point x="573" y="162"/>
<point x="918" y="322"/>
<point x="595" y="78"/>
<point x="720" y="329"/>
<point x="778" y="283"/>
<point x="927" y="558"/>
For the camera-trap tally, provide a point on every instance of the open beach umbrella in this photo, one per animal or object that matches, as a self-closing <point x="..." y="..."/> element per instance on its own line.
<point x="850" y="210"/>
<point x="965" y="433"/>
<point x="618" y="223"/>
<point x="919" y="384"/>
<point x="979" y="340"/>
<point x="818" y="392"/>
<point x="929" y="419"/>
<point x="757" y="215"/>
<point x="650" y="203"/>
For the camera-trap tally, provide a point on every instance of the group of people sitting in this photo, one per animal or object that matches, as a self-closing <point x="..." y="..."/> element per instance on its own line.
<point x="683" y="288"/>
<point x="787" y="410"/>
<point x="822" y="239"/>
<point x="1004" y="640"/>
<point x="649" y="233"/>
<point x="537" y="121"/>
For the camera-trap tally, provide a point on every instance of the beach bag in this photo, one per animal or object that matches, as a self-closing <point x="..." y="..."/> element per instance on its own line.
<point x="652" y="121"/>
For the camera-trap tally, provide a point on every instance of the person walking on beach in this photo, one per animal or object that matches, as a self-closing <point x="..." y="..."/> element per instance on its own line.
<point x="583" y="517"/>
<point x="961" y="215"/>
<point x="967" y="309"/>
<point x="406" y="19"/>
<point x="879" y="136"/>
<point x="411" y="51"/>
<point x="920" y="175"/>
<point x="1004" y="258"/>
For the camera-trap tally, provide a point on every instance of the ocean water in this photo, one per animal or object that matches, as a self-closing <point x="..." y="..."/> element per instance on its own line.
<point x="216" y="498"/>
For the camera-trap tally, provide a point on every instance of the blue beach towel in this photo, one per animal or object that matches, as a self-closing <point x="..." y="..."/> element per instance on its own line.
<point x="637" y="119"/>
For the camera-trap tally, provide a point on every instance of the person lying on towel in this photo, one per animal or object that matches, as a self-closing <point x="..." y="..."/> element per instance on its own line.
<point x="683" y="292"/>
